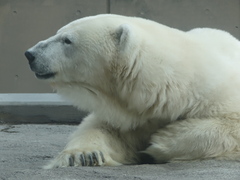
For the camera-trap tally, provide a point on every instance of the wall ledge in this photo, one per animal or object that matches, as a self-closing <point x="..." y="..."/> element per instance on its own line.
<point x="42" y="108"/>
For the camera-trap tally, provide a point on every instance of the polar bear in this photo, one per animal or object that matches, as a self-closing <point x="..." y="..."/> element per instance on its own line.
<point x="155" y="94"/>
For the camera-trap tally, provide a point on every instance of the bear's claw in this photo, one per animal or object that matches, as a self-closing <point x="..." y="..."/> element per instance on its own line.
<point x="95" y="158"/>
<point x="71" y="161"/>
<point x="87" y="159"/>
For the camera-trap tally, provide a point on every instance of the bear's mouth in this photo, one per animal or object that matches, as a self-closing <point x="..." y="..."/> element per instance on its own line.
<point x="45" y="76"/>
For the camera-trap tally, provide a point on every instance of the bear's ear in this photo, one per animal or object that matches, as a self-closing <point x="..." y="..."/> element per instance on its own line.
<point x="123" y="35"/>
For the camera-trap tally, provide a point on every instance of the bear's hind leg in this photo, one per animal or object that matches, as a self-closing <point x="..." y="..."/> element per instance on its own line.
<point x="197" y="139"/>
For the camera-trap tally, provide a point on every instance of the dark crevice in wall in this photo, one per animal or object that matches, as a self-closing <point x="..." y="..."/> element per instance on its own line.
<point x="238" y="27"/>
<point x="108" y="6"/>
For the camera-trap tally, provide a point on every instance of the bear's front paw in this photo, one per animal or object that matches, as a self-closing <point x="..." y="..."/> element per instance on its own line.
<point x="76" y="158"/>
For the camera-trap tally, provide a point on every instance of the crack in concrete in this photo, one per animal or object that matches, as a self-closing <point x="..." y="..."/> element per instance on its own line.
<point x="8" y="129"/>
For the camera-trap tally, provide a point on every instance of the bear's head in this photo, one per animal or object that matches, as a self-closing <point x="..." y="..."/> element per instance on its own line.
<point x="87" y="51"/>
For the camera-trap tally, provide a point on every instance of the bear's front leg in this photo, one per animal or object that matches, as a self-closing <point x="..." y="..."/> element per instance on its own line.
<point x="94" y="144"/>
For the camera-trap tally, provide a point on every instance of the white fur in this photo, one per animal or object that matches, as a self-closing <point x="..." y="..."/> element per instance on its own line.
<point x="143" y="83"/>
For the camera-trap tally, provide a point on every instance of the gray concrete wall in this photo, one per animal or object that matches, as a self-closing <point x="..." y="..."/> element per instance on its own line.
<point x="25" y="22"/>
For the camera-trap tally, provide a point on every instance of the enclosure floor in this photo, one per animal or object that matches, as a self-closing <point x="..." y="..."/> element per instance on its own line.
<point x="24" y="149"/>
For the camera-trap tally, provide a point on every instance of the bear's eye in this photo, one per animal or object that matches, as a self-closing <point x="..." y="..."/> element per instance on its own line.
<point x="67" y="41"/>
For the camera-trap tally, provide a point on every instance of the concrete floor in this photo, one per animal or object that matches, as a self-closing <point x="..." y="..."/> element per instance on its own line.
<point x="24" y="149"/>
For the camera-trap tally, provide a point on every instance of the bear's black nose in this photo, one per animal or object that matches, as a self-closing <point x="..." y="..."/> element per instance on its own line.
<point x="29" y="56"/>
